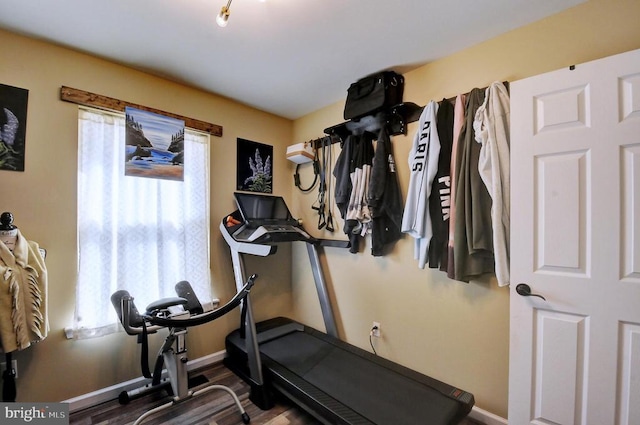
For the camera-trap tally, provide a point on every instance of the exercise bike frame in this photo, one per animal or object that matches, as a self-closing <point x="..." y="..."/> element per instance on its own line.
<point x="173" y="351"/>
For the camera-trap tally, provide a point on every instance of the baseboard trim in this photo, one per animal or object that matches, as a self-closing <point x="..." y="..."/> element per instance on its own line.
<point x="111" y="393"/>
<point x="485" y="417"/>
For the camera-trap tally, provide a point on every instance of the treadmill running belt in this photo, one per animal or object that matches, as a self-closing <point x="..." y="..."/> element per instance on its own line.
<point x="377" y="393"/>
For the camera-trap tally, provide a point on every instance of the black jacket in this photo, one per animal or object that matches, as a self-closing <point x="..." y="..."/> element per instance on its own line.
<point x="384" y="197"/>
<point x="439" y="200"/>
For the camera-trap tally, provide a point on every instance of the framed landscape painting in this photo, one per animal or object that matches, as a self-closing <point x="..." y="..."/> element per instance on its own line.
<point x="154" y="145"/>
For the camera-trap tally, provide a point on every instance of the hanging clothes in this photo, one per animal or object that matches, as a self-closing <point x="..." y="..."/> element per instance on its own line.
<point x="323" y="166"/>
<point x="23" y="295"/>
<point x="358" y="219"/>
<point x="473" y="244"/>
<point x="423" y="163"/>
<point x="384" y="196"/>
<point x="352" y="171"/>
<point x="440" y="198"/>
<point x="491" y="126"/>
<point x="458" y="122"/>
<point x="342" y="173"/>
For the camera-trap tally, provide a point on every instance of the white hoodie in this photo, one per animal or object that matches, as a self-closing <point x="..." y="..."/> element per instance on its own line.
<point x="491" y="126"/>
<point x="423" y="163"/>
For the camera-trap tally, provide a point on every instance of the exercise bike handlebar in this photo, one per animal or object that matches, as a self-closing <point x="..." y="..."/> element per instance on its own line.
<point x="135" y="323"/>
<point x="203" y="318"/>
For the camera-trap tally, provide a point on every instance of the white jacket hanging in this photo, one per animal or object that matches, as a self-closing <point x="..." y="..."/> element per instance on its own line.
<point x="491" y="125"/>
<point x="23" y="295"/>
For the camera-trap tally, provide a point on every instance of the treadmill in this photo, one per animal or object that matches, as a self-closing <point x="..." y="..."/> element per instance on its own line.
<point x="335" y="382"/>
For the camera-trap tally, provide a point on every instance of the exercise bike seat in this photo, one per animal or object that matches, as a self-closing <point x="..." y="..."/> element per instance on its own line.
<point x="164" y="304"/>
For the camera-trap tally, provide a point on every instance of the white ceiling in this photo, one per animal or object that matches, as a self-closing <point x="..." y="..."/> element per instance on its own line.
<point x="287" y="57"/>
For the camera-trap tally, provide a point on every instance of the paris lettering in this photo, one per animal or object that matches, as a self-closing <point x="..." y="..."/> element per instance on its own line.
<point x="421" y="153"/>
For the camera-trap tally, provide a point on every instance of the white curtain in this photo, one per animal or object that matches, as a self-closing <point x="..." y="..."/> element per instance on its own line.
<point x="135" y="233"/>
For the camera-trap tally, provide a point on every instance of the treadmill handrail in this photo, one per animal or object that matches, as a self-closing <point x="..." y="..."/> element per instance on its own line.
<point x="335" y="243"/>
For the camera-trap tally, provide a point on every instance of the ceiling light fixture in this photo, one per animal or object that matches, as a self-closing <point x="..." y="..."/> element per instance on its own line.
<point x="223" y="16"/>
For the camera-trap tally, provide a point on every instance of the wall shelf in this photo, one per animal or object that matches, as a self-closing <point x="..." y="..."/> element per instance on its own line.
<point x="397" y="118"/>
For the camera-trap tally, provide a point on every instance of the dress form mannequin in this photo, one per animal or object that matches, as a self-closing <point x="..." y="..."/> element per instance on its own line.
<point x="8" y="232"/>
<point x="8" y="236"/>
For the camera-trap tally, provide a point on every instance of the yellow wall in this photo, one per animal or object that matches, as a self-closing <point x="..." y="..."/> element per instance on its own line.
<point x="43" y="201"/>
<point x="453" y="331"/>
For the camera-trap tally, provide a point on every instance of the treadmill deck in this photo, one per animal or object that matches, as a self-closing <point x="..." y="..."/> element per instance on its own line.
<point x="340" y="383"/>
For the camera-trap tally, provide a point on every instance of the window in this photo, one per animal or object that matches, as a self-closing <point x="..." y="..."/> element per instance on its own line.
<point x="140" y="234"/>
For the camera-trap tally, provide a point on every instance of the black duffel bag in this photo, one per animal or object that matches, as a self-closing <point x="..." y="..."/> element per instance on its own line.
<point x="373" y="93"/>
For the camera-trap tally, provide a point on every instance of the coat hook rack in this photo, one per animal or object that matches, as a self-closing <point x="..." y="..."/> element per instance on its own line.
<point x="396" y="118"/>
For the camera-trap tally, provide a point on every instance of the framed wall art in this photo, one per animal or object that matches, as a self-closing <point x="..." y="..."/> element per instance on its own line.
<point x="13" y="127"/>
<point x="154" y="145"/>
<point x="254" y="170"/>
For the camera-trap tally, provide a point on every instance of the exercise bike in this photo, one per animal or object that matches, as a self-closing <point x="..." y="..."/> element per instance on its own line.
<point x="176" y="314"/>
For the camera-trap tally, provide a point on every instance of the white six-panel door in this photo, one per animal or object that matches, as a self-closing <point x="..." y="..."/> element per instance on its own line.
<point x="575" y="240"/>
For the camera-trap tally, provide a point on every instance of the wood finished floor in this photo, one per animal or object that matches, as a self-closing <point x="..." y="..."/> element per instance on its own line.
<point x="209" y="408"/>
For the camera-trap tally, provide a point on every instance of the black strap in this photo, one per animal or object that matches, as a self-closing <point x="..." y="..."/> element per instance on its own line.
<point x="329" y="163"/>
<point x="9" y="381"/>
<point x="144" y="356"/>
<point x="157" y="370"/>
<point x="316" y="171"/>
<point x="324" y="190"/>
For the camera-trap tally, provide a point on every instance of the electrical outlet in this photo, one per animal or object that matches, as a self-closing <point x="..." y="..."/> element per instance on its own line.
<point x="3" y="367"/>
<point x="375" y="329"/>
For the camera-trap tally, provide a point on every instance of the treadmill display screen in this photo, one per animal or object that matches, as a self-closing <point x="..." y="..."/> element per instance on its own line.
<point x="256" y="207"/>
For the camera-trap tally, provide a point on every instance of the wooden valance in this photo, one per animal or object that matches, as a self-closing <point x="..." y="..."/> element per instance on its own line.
<point x="86" y="98"/>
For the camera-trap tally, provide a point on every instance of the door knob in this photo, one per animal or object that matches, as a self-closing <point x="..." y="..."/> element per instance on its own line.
<point x="525" y="290"/>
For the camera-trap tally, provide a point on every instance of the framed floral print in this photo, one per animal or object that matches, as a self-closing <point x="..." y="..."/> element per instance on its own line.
<point x="13" y="127"/>
<point x="254" y="168"/>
